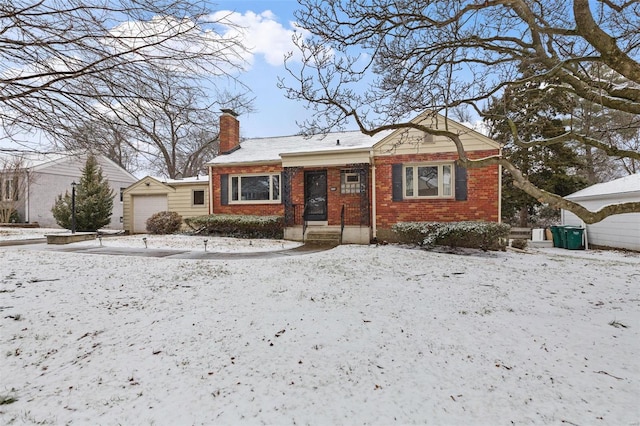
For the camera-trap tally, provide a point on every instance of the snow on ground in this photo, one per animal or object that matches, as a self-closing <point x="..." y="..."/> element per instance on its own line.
<point x="178" y="242"/>
<point x="353" y="335"/>
<point x="13" y="234"/>
<point x="185" y="242"/>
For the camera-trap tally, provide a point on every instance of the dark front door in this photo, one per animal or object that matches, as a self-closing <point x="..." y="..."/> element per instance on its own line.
<point x="315" y="195"/>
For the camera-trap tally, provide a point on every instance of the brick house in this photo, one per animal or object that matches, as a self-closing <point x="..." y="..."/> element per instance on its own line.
<point x="352" y="186"/>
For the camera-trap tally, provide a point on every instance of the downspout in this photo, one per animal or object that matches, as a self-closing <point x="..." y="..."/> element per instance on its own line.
<point x="210" y="190"/>
<point x="374" y="226"/>
<point x="500" y="188"/>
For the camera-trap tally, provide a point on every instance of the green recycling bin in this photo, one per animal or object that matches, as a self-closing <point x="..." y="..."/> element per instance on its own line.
<point x="563" y="236"/>
<point x="573" y="237"/>
<point x="555" y="233"/>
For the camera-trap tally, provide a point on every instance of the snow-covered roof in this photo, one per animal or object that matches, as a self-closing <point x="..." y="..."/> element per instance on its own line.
<point x="35" y="159"/>
<point x="190" y="179"/>
<point x="625" y="184"/>
<point x="272" y="148"/>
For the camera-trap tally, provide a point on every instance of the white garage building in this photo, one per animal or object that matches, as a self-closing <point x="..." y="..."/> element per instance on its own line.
<point x="619" y="231"/>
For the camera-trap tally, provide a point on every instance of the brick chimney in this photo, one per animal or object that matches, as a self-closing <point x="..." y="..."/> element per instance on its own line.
<point x="229" y="132"/>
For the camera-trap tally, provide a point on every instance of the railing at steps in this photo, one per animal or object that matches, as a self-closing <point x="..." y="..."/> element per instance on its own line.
<point x="305" y="223"/>
<point x="341" y="223"/>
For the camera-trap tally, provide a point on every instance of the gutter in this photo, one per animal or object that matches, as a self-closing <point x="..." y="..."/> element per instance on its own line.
<point x="210" y="171"/>
<point x="374" y="210"/>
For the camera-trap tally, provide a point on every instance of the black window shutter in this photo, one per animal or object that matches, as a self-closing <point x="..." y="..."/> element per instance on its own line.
<point x="461" y="183"/>
<point x="224" y="190"/>
<point x="281" y="182"/>
<point x="396" y="182"/>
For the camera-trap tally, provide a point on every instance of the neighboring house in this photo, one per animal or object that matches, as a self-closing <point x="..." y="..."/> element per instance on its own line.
<point x="618" y="231"/>
<point x="42" y="177"/>
<point x="188" y="197"/>
<point x="351" y="184"/>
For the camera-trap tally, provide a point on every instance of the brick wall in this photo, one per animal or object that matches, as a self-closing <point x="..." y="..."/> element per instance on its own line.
<point x="247" y="209"/>
<point x="229" y="138"/>
<point x="335" y="198"/>
<point x="481" y="203"/>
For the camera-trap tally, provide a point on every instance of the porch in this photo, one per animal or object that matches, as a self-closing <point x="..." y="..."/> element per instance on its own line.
<point x="328" y="206"/>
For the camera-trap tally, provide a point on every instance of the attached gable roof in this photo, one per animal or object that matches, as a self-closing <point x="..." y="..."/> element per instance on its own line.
<point x="408" y="140"/>
<point x="625" y="185"/>
<point x="204" y="180"/>
<point x="325" y="147"/>
<point x="149" y="184"/>
<point x="159" y="184"/>
<point x="273" y="148"/>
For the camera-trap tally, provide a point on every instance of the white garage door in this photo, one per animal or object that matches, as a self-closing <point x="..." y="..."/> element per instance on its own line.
<point x="143" y="207"/>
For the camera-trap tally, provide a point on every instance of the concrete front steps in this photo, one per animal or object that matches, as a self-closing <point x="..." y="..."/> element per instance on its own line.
<point x="322" y="237"/>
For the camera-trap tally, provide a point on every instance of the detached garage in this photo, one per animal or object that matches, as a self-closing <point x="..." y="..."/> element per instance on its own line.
<point x="618" y="231"/>
<point x="188" y="197"/>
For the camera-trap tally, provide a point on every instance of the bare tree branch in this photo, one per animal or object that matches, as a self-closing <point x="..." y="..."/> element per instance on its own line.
<point x="59" y="58"/>
<point x="379" y="63"/>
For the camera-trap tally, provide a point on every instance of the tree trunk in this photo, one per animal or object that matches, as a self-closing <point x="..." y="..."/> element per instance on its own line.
<point x="523" y="217"/>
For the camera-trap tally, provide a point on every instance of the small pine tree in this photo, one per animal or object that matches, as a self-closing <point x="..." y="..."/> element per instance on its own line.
<point x="94" y="201"/>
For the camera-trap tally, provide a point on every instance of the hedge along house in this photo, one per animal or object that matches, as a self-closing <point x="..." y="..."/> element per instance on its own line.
<point x="617" y="231"/>
<point x="350" y="186"/>
<point x="189" y="197"/>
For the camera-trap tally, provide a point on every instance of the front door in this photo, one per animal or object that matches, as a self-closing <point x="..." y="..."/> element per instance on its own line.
<point x="315" y="195"/>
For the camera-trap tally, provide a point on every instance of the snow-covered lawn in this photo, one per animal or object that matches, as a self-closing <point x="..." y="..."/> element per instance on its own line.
<point x="13" y="234"/>
<point x="354" y="335"/>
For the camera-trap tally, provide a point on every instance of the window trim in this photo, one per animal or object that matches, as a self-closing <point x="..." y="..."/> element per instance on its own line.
<point x="349" y="187"/>
<point x="9" y="189"/>
<point x="193" y="198"/>
<point x="440" y="166"/>
<point x="271" y="200"/>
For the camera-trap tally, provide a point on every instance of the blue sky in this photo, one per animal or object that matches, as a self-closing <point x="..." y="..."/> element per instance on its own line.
<point x="269" y="27"/>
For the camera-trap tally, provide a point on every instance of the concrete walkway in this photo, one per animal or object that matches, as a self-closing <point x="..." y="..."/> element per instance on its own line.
<point x="40" y="244"/>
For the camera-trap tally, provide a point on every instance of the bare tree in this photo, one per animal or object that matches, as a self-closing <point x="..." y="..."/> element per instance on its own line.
<point x="59" y="58"/>
<point x="170" y="126"/>
<point x="101" y="137"/>
<point x="379" y="62"/>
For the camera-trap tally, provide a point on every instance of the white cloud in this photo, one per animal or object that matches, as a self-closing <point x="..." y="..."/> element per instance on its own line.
<point x="261" y="34"/>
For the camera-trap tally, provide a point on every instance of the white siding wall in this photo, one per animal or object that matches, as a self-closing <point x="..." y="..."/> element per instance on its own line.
<point x="47" y="182"/>
<point x="620" y="231"/>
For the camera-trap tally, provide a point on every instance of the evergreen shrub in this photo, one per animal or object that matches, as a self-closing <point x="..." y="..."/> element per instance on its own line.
<point x="94" y="201"/>
<point x="482" y="235"/>
<point x="519" y="243"/>
<point x="164" y="223"/>
<point x="239" y="226"/>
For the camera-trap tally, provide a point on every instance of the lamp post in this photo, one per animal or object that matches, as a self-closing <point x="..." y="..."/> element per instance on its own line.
<point x="73" y="207"/>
